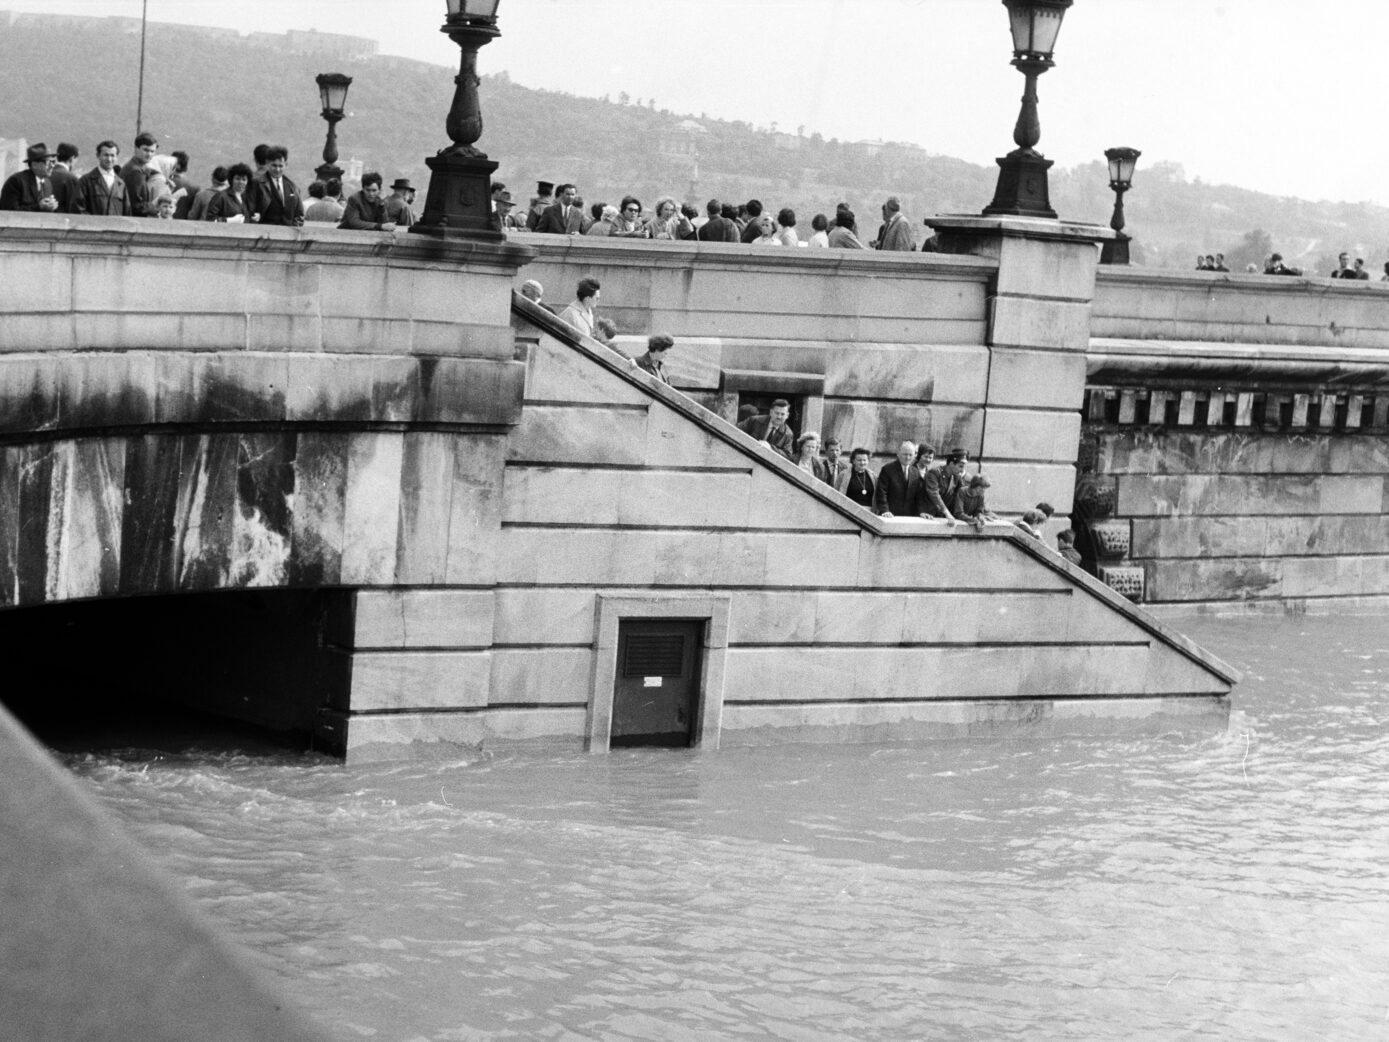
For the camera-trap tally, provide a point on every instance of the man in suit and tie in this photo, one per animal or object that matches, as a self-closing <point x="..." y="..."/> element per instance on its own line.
<point x="857" y="480"/>
<point x="272" y="197"/>
<point x="772" y="429"/>
<point x="100" y="191"/>
<point x="834" y="466"/>
<point x="898" y="485"/>
<point x="565" y="217"/>
<point x="30" y="189"/>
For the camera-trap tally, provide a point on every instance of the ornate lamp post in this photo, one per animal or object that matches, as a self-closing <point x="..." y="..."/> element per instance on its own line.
<point x="332" y="91"/>
<point x="1022" y="176"/>
<point x="1121" y="164"/>
<point x="460" y="185"/>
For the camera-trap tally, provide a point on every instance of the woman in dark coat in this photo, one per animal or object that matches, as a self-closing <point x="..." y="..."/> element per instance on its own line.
<point x="229" y="205"/>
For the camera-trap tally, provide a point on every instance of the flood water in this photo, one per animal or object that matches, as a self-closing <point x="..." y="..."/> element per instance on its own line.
<point x="1230" y="888"/>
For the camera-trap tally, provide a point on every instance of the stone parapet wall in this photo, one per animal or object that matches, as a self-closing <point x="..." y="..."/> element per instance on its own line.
<point x="1250" y="514"/>
<point x="80" y="283"/>
<point x="774" y="294"/>
<point x="1141" y="304"/>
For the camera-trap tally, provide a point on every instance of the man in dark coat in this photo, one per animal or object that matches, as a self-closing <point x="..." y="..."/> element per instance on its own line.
<point x="273" y="198"/>
<point x="100" y="190"/>
<point x="717" y="228"/>
<point x="133" y="174"/>
<point x="899" y="485"/>
<point x="565" y="217"/>
<point x="63" y="179"/>
<point x="398" y="210"/>
<point x="366" y="211"/>
<point x="772" y="430"/>
<point x="940" y="489"/>
<point x="544" y="199"/>
<point x="654" y="359"/>
<point x="30" y="189"/>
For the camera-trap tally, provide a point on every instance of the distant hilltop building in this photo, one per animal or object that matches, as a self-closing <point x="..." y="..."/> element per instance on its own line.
<point x="293" y="41"/>
<point x="683" y="139"/>
<point x="311" y="41"/>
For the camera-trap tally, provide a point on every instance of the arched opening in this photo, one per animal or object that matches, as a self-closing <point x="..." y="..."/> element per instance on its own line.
<point x="241" y="669"/>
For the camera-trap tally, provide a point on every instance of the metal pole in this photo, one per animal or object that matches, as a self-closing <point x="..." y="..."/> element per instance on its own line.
<point x="140" y="98"/>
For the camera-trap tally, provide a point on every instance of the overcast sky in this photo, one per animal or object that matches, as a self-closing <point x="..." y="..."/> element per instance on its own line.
<point x="1273" y="95"/>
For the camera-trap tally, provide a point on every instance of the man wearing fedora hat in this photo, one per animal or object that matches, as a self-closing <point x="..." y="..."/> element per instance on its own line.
<point x="501" y="207"/>
<point x="398" y="210"/>
<point x="30" y="189"/>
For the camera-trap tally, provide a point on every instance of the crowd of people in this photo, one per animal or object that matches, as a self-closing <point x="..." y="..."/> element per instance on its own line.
<point x="159" y="186"/>
<point x="1275" y="265"/>
<point x="911" y="486"/>
<point x="914" y="485"/>
<point x="562" y="211"/>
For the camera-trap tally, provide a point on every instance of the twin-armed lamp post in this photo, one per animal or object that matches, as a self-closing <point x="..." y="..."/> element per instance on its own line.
<point x="332" y="91"/>
<point x="459" y="203"/>
<point x="1022" y="176"/>
<point x="1121" y="164"/>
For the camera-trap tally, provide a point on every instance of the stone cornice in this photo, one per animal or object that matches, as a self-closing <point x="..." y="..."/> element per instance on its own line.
<point x="578" y="249"/>
<point x="316" y="242"/>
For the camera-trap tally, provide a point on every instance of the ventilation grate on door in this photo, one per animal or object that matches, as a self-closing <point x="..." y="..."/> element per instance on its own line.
<point x="655" y="655"/>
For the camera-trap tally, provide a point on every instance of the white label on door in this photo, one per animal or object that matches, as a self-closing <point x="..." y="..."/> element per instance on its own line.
<point x="650" y="681"/>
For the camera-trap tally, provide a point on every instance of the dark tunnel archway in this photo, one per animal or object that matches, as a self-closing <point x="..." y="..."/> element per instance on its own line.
<point x="249" y="669"/>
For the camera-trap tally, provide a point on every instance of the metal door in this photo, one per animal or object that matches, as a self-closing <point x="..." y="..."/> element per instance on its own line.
<point x="656" y="698"/>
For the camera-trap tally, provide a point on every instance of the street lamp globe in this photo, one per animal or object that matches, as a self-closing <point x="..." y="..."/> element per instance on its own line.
<point x="1035" y="25"/>
<point x="1121" y="164"/>
<point x="332" y="92"/>
<point x="472" y="10"/>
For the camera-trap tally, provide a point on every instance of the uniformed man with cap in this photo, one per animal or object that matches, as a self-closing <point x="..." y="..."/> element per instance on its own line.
<point x="30" y="189"/>
<point x="544" y="199"/>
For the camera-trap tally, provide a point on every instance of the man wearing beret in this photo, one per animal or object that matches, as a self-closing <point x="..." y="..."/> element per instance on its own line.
<point x="30" y="189"/>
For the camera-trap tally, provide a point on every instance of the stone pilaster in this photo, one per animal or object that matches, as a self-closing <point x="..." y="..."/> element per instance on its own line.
<point x="1038" y="333"/>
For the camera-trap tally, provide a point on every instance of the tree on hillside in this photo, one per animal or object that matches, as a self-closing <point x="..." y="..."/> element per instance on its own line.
<point x="1254" y="248"/>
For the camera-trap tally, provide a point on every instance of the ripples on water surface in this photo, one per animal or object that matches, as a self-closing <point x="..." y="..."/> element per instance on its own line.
<point x="1233" y="888"/>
